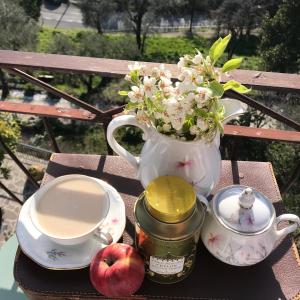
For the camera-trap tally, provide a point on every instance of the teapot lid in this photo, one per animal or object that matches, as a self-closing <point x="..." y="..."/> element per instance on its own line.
<point x="243" y="209"/>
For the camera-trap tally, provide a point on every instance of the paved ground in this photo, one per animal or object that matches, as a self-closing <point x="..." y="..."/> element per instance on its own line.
<point x="61" y="15"/>
<point x="19" y="185"/>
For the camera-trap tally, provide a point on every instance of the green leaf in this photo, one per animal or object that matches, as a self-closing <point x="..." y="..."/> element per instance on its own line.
<point x="123" y="93"/>
<point x="213" y="47"/>
<point x="200" y="112"/>
<point x="218" y="48"/>
<point x="216" y="88"/>
<point x="232" y="64"/>
<point x="236" y="86"/>
<point x="131" y="106"/>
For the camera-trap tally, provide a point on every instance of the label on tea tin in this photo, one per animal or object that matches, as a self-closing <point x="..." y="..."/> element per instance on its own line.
<point x="166" y="266"/>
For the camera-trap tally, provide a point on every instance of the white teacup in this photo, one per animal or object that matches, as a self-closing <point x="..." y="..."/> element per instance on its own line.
<point x="70" y="209"/>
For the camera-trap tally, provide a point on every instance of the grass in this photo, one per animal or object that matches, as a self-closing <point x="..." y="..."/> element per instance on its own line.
<point x="167" y="49"/>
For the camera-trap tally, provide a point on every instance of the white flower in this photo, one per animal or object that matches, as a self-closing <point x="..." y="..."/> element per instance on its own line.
<point x="141" y="117"/>
<point x="164" y="84"/>
<point x="190" y="76"/>
<point x="128" y="77"/>
<point x="203" y="94"/>
<point x="166" y="127"/>
<point x="163" y="116"/>
<point x="201" y="124"/>
<point x="185" y="86"/>
<point x="194" y="130"/>
<point x="186" y="74"/>
<point x="171" y="105"/>
<point x="187" y="101"/>
<point x="183" y="61"/>
<point x="198" y="59"/>
<point x="136" y="67"/>
<point x="136" y="94"/>
<point x="177" y="123"/>
<point x="149" y="85"/>
<point x="161" y="71"/>
<point x="189" y="98"/>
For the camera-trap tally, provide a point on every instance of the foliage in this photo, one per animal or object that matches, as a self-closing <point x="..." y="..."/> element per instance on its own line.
<point x="158" y="48"/>
<point x="94" y="140"/>
<point x="240" y="17"/>
<point x="280" y="39"/>
<point x="61" y="44"/>
<point x="116" y="46"/>
<point x="31" y="7"/>
<point x="140" y="15"/>
<point x="283" y="156"/>
<point x="96" y="12"/>
<point x="88" y="43"/>
<point x="17" y="30"/>
<point x="10" y="133"/>
<point x="191" y="108"/>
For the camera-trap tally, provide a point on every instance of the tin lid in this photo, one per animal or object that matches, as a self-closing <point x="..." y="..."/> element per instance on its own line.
<point x="170" y="199"/>
<point x="169" y="231"/>
<point x="243" y="209"/>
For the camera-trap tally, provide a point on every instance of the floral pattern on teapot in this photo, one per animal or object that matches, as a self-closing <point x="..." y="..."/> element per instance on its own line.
<point x="231" y="251"/>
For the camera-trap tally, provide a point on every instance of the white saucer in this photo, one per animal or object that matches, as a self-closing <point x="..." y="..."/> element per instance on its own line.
<point x="50" y="255"/>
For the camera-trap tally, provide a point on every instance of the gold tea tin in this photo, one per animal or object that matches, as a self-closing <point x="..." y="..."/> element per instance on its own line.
<point x="168" y="222"/>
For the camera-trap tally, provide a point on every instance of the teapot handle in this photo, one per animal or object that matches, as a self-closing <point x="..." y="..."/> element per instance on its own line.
<point x="290" y="228"/>
<point x="123" y="121"/>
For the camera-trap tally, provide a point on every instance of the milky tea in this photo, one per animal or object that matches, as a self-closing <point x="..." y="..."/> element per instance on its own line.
<point x="71" y="208"/>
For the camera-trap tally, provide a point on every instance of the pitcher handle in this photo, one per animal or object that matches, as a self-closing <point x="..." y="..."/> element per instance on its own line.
<point x="290" y="228"/>
<point x="123" y="121"/>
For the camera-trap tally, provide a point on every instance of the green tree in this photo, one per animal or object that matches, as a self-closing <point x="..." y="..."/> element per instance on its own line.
<point x="61" y="44"/>
<point x="17" y="32"/>
<point x="31" y="7"/>
<point x="280" y="39"/>
<point x="10" y="133"/>
<point x="96" y="12"/>
<point x="241" y="17"/>
<point x="91" y="44"/>
<point x="141" y="14"/>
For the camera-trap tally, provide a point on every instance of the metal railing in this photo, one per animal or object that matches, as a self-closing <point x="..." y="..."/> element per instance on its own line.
<point x="17" y="62"/>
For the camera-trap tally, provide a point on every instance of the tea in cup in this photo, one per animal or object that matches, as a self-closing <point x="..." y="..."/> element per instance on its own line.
<point x="70" y="209"/>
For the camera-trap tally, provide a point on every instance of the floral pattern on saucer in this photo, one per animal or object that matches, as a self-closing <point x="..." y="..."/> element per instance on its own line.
<point x="54" y="256"/>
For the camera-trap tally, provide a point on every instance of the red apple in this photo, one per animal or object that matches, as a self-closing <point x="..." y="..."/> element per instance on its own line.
<point x="117" y="270"/>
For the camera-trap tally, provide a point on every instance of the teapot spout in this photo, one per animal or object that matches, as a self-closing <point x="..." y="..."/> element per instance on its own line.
<point x="233" y="109"/>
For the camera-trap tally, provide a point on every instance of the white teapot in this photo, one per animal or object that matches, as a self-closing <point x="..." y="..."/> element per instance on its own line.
<point x="241" y="228"/>
<point x="198" y="162"/>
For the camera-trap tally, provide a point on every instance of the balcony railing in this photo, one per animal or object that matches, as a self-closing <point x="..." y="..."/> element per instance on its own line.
<point x="19" y="62"/>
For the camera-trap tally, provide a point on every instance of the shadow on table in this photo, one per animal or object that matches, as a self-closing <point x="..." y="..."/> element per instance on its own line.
<point x="123" y="184"/>
<point x="212" y="279"/>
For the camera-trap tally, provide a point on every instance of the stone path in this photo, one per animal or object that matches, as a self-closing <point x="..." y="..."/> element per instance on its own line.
<point x="18" y="184"/>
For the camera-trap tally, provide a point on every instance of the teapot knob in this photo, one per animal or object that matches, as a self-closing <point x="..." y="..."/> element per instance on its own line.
<point x="247" y="198"/>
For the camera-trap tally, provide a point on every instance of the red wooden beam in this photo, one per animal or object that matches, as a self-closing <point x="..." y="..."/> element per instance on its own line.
<point x="47" y="111"/>
<point x="261" y="133"/>
<point x="83" y="115"/>
<point x="119" y="68"/>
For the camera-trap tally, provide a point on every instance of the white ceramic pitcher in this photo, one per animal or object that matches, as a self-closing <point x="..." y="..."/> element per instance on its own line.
<point x="198" y="162"/>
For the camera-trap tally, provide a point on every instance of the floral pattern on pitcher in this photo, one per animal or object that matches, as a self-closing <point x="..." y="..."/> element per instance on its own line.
<point x="184" y="164"/>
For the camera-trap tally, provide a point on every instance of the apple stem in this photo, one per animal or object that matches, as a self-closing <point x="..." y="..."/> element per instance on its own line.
<point x="108" y="261"/>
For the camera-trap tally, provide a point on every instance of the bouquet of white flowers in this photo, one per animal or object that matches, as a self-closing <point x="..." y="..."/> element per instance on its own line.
<point x="190" y="108"/>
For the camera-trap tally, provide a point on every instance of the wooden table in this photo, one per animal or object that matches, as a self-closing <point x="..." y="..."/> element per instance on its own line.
<point x="277" y="277"/>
